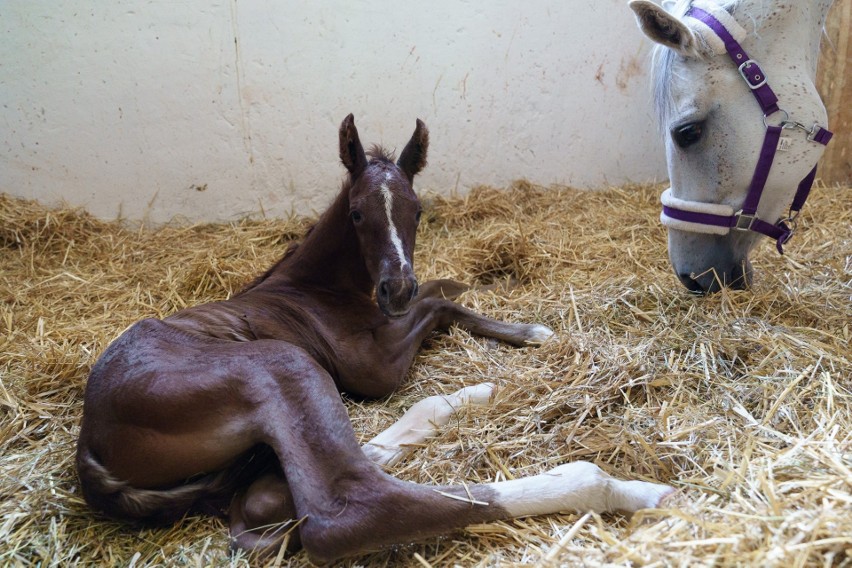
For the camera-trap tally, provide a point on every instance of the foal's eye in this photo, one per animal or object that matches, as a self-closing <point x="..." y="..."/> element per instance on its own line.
<point x="688" y="134"/>
<point x="356" y="216"/>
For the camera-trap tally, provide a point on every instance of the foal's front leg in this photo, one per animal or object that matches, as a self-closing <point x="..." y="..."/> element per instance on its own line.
<point x="434" y="310"/>
<point x="387" y="351"/>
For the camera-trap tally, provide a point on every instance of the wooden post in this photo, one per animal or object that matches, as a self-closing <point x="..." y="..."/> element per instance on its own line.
<point x="834" y="82"/>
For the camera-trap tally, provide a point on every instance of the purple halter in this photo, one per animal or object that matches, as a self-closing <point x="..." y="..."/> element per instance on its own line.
<point x="746" y="218"/>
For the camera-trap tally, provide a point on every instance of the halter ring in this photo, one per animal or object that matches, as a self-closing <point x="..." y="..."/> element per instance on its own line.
<point x="781" y="123"/>
<point x="791" y="229"/>
<point x="792" y="219"/>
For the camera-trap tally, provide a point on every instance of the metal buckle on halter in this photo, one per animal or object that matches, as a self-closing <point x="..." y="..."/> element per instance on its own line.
<point x="744" y="222"/>
<point x="755" y="82"/>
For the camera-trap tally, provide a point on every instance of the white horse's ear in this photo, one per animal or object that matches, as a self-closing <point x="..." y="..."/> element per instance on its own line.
<point x="663" y="28"/>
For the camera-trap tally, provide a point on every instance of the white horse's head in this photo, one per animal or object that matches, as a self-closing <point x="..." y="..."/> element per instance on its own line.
<point x="715" y="129"/>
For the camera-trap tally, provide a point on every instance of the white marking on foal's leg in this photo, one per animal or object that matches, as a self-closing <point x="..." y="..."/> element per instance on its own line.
<point x="578" y="486"/>
<point x="421" y="422"/>
<point x="394" y="235"/>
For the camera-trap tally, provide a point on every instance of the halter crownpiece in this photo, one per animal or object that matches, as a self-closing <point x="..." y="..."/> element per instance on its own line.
<point x="723" y="34"/>
<point x="707" y="33"/>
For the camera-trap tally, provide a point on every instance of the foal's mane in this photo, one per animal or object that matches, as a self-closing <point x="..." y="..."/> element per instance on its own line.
<point x="377" y="154"/>
<point x="291" y="248"/>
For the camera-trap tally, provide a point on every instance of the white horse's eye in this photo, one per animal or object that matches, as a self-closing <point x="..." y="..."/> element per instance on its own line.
<point x="688" y="134"/>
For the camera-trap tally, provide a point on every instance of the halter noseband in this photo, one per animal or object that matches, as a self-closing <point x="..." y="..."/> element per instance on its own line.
<point x="719" y="218"/>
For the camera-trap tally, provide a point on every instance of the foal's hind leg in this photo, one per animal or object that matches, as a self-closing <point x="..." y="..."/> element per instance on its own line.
<point x="263" y="518"/>
<point x="346" y="504"/>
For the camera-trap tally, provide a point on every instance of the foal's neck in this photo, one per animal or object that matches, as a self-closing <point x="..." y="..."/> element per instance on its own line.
<point x="329" y="257"/>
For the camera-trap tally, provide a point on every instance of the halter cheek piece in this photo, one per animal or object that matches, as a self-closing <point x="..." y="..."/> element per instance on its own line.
<point x="719" y="218"/>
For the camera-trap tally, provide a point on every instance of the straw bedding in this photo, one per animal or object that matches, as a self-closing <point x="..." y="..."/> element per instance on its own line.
<point x="740" y="400"/>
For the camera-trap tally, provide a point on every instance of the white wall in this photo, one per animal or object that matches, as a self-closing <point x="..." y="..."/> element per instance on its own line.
<point x="131" y="108"/>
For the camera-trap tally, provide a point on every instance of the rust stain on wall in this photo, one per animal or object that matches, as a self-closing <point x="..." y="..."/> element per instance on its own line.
<point x="599" y="74"/>
<point x="628" y="69"/>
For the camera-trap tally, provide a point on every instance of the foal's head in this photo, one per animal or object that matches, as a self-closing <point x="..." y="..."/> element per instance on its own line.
<point x="385" y="212"/>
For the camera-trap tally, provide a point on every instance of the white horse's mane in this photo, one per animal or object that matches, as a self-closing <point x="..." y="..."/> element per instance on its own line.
<point x="662" y="59"/>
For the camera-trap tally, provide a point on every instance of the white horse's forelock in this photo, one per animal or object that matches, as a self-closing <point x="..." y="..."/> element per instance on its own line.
<point x="662" y="61"/>
<point x="661" y="71"/>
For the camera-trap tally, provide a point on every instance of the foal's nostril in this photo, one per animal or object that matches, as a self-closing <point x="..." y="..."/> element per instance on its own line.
<point x="384" y="290"/>
<point x="414" y="289"/>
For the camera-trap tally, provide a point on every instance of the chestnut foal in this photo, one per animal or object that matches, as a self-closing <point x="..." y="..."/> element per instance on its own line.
<point x="235" y="404"/>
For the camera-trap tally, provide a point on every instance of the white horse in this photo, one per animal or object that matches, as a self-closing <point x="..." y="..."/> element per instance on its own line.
<point x="717" y="70"/>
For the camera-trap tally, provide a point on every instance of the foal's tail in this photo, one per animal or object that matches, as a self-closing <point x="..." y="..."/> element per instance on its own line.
<point x="118" y="499"/>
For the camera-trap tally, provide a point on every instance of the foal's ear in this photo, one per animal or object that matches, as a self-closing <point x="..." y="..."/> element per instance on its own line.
<point x="663" y="28"/>
<point x="413" y="157"/>
<point x="351" y="152"/>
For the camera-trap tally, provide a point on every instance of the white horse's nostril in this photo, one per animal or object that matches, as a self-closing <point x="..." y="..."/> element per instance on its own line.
<point x="691" y="283"/>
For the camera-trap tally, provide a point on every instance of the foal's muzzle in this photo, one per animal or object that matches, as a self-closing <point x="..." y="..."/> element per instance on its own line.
<point x="394" y="295"/>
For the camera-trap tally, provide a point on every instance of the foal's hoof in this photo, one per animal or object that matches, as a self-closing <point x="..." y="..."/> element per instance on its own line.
<point x="258" y="549"/>
<point x="650" y="495"/>
<point x="537" y="334"/>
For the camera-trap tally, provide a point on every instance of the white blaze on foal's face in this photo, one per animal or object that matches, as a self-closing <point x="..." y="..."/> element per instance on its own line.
<point x="384" y="212"/>
<point x="387" y="197"/>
